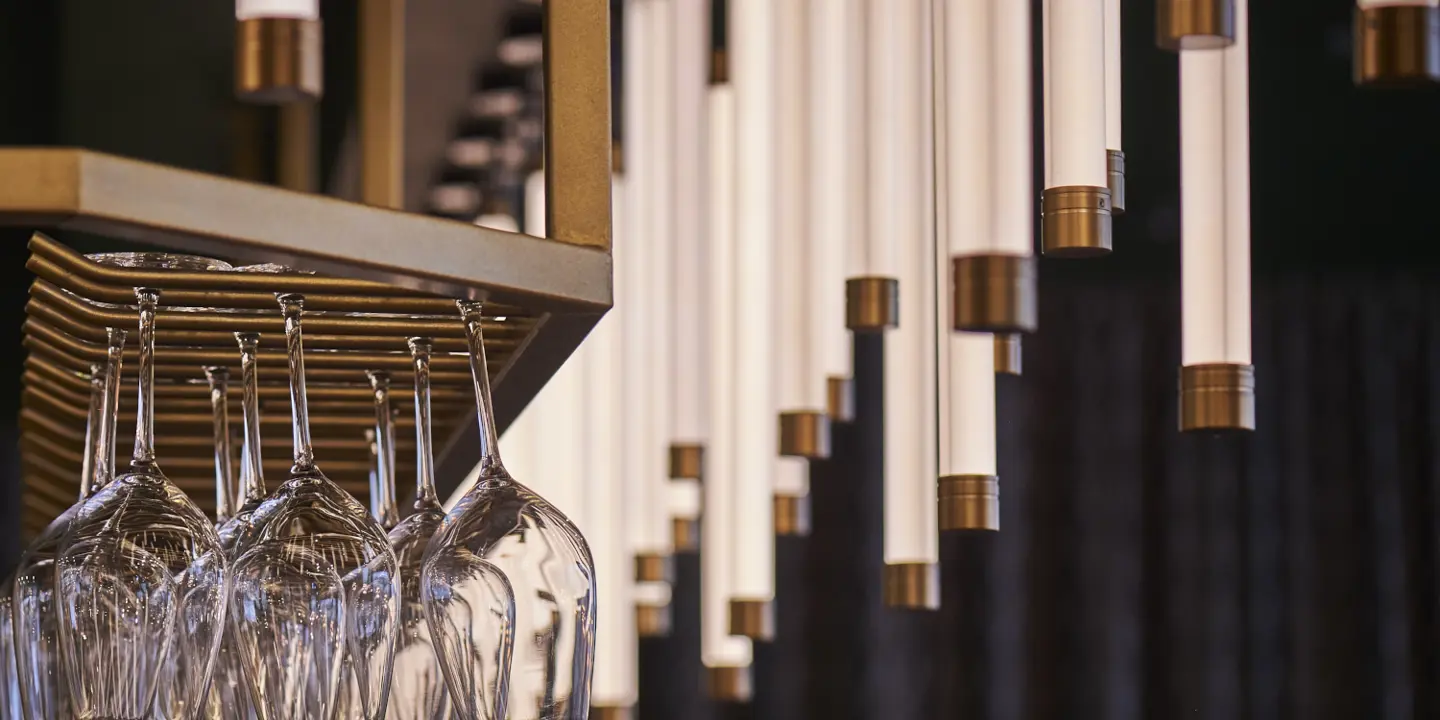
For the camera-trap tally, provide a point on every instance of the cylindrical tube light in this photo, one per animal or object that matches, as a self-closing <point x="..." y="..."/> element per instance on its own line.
<point x="1075" y="206"/>
<point x="804" y="424"/>
<point x="752" y="35"/>
<point x="836" y="206"/>
<point x="1397" y="42"/>
<point x="1114" y="62"/>
<point x="688" y="296"/>
<point x="984" y="47"/>
<point x="279" y="52"/>
<point x="1195" y="24"/>
<point x="1217" y="381"/>
<point x="726" y="657"/>
<point x="911" y="543"/>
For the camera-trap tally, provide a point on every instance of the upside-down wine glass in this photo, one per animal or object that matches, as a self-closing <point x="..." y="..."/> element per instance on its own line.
<point x="382" y="490"/>
<point x="219" y="379"/>
<point x="549" y="569"/>
<point x="44" y="691"/>
<point x="419" y="691"/>
<point x="229" y="694"/>
<point x="315" y="594"/>
<point x="140" y="575"/>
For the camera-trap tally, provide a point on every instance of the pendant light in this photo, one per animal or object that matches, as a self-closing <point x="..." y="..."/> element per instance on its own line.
<point x="752" y="36"/>
<point x="804" y="424"/>
<point x="726" y="657"/>
<point x="1076" y="203"/>
<point x="1195" y="24"/>
<point x="278" y="51"/>
<point x="872" y="292"/>
<point x="688" y="282"/>
<point x="1397" y="42"/>
<point x="1114" y="62"/>
<point x="1217" y="381"/>
<point x="837" y="180"/>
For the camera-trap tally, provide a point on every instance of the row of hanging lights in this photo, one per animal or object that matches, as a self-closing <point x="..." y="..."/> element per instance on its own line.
<point x="884" y="147"/>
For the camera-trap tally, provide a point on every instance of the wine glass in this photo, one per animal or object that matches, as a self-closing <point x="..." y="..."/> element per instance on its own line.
<point x="382" y="492"/>
<point x="419" y="692"/>
<point x="549" y="569"/>
<point x="308" y="522"/>
<point x="10" y="705"/>
<point x="44" y="688"/>
<point x="229" y="693"/>
<point x="140" y="575"/>
<point x="219" y="379"/>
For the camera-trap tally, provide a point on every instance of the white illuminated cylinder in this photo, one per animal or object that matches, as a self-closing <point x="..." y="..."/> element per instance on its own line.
<point x="691" y="48"/>
<point x="717" y="647"/>
<point x="909" y="458"/>
<point x="752" y="52"/>
<point x="836" y="205"/>
<point x="795" y="388"/>
<point x="303" y="9"/>
<point x="659" y="204"/>
<point x="1113" y="65"/>
<point x="893" y="98"/>
<point x="1075" y="94"/>
<point x="1215" y="201"/>
<point x="1012" y="195"/>
<point x="968" y="158"/>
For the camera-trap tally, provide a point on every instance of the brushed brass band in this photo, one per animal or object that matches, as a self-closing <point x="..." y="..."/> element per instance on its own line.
<point x="653" y="567"/>
<point x="1397" y="45"/>
<point x="686" y="534"/>
<point x="278" y="60"/>
<point x="872" y="304"/>
<point x="611" y="712"/>
<point x="1217" y="397"/>
<point x="840" y="399"/>
<point x="969" y="502"/>
<point x="1075" y="221"/>
<point x="686" y="461"/>
<point x="1115" y="169"/>
<point x="994" y="293"/>
<point x="1009" y="354"/>
<point x="719" y="67"/>
<point x="1194" y="24"/>
<point x="912" y="586"/>
<point x="754" y="619"/>
<point x="729" y="684"/>
<point x="652" y="621"/>
<point x="792" y="515"/>
<point x="805" y="434"/>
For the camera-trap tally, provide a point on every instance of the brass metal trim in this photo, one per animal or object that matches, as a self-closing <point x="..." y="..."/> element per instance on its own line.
<point x="994" y="293"/>
<point x="872" y="304"/>
<point x="840" y="399"/>
<point x="1115" y="171"/>
<point x="805" y="434"/>
<point x="279" y="60"/>
<point x="754" y="619"/>
<point x="611" y="712"/>
<point x="1075" y="221"/>
<point x="687" y="461"/>
<point x="1194" y="24"/>
<point x="969" y="502"/>
<point x="577" y="122"/>
<point x="1397" y="45"/>
<point x="1217" y="397"/>
<point x="686" y="534"/>
<point x="729" y="684"/>
<point x="1009" y="354"/>
<point x="912" y="586"/>
<point x="652" y="567"/>
<point x="653" y="621"/>
<point x="792" y="515"/>
<point x="382" y="103"/>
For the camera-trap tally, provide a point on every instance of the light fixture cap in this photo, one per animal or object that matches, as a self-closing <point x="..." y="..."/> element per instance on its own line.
<point x="611" y="712"/>
<point x="969" y="502"/>
<point x="994" y="293"/>
<point x="686" y="534"/>
<point x="1075" y="221"/>
<point x="1194" y="24"/>
<point x="1217" y="397"/>
<point x="754" y="619"/>
<point x="729" y="684"/>
<point x="872" y="304"/>
<point x="652" y="621"/>
<point x="792" y="515"/>
<point x="654" y="567"/>
<point x="687" y="461"/>
<point x="840" y="399"/>
<point x="1397" y="45"/>
<point x="805" y="434"/>
<point x="1009" y="354"/>
<point x="912" y="586"/>
<point x="278" y="61"/>
<point x="1115" y="173"/>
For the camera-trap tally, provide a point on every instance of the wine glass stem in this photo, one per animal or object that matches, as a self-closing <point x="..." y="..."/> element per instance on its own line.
<point x="219" y="378"/>
<point x="145" y="404"/>
<point x="109" y="408"/>
<point x="484" y="409"/>
<point x="254" y="472"/>
<point x="383" y="503"/>
<point x="94" y="430"/>
<point x="425" y="497"/>
<point x="293" y="305"/>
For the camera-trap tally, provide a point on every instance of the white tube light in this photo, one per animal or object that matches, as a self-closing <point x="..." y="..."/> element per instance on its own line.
<point x="836" y="205"/>
<point x="968" y="155"/>
<point x="1075" y="87"/>
<point x="899" y="27"/>
<point x="796" y="389"/>
<point x="970" y="377"/>
<point x="892" y="85"/>
<point x="752" y="36"/>
<point x="691" y="48"/>
<point x="302" y="9"/>
<point x="659" y="204"/>
<point x="1012" y="194"/>
<point x="717" y="647"/>
<point x="1113" y="65"/>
